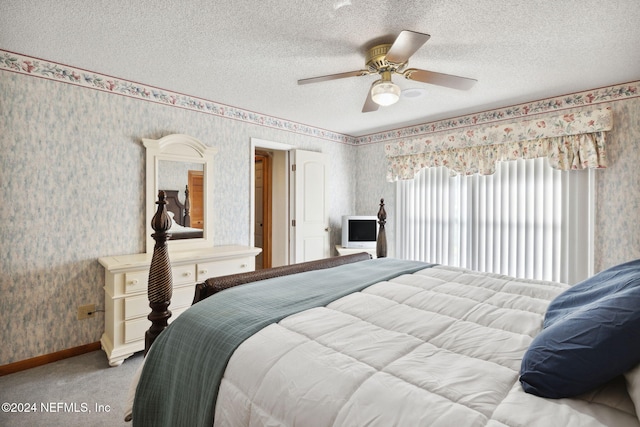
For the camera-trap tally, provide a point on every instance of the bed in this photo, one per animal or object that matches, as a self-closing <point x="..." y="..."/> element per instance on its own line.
<point x="180" y="216"/>
<point x="387" y="342"/>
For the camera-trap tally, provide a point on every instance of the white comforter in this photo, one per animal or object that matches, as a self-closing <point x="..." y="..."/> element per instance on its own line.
<point x="441" y="347"/>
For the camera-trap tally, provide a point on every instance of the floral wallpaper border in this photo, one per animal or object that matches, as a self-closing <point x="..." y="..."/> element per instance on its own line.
<point x="588" y="120"/>
<point x="10" y="61"/>
<point x="14" y="62"/>
<point x="565" y="102"/>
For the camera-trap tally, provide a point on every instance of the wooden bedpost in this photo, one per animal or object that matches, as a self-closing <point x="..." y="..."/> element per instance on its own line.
<point x="187" y="207"/>
<point x="381" y="244"/>
<point x="160" y="279"/>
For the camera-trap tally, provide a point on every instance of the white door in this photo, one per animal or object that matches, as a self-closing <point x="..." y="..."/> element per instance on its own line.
<point x="310" y="213"/>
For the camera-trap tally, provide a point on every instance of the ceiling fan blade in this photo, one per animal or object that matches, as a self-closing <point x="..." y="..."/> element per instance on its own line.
<point x="333" y="77"/>
<point x="369" y="105"/>
<point x="440" y="79"/>
<point x="406" y="44"/>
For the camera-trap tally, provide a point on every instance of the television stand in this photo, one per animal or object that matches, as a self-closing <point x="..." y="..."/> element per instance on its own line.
<point x="348" y="251"/>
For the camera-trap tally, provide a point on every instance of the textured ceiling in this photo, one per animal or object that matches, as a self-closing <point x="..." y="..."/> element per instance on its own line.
<point x="250" y="54"/>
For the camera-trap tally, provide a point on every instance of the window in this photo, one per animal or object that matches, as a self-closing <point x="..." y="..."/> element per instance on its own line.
<point x="527" y="220"/>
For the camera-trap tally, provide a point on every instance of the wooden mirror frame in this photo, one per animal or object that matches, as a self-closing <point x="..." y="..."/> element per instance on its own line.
<point x="179" y="148"/>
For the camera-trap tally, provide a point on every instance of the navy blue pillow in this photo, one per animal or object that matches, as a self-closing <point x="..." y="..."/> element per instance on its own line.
<point x="591" y="335"/>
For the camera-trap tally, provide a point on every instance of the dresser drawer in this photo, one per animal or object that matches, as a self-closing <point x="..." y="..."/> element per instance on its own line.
<point x="136" y="281"/>
<point x="222" y="268"/>
<point x="182" y="297"/>
<point x="183" y="274"/>
<point x="134" y="330"/>
<point x="138" y="306"/>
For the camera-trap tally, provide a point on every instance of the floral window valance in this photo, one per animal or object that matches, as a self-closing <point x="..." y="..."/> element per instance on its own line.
<point x="574" y="140"/>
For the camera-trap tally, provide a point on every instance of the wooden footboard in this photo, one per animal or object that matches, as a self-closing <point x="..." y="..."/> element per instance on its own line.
<point x="160" y="287"/>
<point x="217" y="284"/>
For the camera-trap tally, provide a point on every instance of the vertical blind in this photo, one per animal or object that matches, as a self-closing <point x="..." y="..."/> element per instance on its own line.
<point x="526" y="220"/>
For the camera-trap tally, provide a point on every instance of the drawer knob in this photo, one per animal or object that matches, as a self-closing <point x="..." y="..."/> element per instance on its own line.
<point x="132" y="282"/>
<point x="204" y="271"/>
<point x="186" y="274"/>
<point x="243" y="265"/>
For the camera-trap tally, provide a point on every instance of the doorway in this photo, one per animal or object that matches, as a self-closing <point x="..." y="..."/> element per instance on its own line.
<point x="262" y="208"/>
<point x="195" y="181"/>
<point x="277" y="247"/>
<point x="298" y="204"/>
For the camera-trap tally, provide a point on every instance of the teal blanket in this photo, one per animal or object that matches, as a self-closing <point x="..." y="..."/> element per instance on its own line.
<point x="183" y="369"/>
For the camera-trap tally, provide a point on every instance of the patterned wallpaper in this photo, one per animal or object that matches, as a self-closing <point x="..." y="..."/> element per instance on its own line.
<point x="617" y="237"/>
<point x="72" y="171"/>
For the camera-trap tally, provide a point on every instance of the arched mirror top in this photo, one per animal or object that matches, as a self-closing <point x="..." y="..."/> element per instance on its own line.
<point x="182" y="167"/>
<point x="179" y="145"/>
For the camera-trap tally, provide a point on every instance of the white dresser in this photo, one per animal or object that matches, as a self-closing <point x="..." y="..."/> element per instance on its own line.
<point x="126" y="280"/>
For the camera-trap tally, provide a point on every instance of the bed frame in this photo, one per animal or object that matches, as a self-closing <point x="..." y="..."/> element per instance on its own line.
<point x="214" y="285"/>
<point x="181" y="212"/>
<point x="181" y="215"/>
<point x="160" y="282"/>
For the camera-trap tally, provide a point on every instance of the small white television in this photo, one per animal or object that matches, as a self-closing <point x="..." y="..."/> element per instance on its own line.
<point x="359" y="231"/>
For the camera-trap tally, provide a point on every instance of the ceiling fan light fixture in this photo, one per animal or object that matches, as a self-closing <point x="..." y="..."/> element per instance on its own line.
<point x="385" y="92"/>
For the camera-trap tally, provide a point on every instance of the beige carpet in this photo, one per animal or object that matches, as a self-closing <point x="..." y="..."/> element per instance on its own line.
<point x="79" y="391"/>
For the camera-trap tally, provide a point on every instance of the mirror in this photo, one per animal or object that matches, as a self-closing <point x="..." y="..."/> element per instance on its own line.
<point x="182" y="184"/>
<point x="182" y="167"/>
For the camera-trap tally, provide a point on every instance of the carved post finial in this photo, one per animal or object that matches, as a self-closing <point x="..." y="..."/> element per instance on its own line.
<point x="160" y="278"/>
<point x="381" y="244"/>
<point x="161" y="222"/>
<point x="187" y="207"/>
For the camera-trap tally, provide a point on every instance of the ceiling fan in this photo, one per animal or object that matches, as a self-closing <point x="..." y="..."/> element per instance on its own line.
<point x="388" y="59"/>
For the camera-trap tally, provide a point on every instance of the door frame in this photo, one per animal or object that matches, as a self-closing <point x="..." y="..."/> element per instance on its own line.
<point x="262" y="144"/>
<point x="191" y="177"/>
<point x="265" y="158"/>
